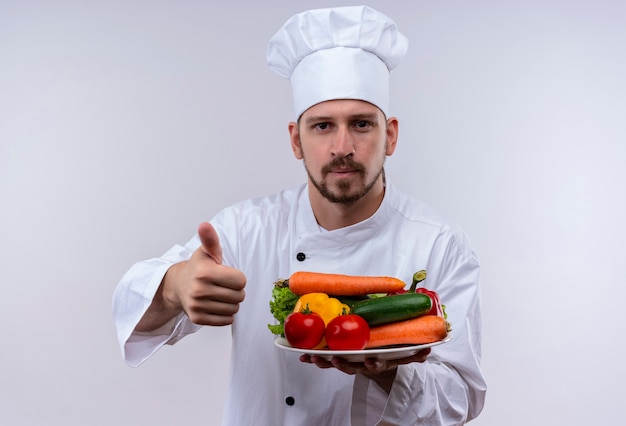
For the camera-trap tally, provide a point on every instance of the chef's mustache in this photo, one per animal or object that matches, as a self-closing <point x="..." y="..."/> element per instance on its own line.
<point x="343" y="163"/>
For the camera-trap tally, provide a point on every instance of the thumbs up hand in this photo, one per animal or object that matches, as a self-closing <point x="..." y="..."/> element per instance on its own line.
<point x="207" y="291"/>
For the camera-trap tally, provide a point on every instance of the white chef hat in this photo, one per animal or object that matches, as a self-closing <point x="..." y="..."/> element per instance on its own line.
<point x="338" y="53"/>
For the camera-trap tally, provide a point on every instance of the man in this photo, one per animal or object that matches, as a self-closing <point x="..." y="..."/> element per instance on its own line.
<point x="347" y="219"/>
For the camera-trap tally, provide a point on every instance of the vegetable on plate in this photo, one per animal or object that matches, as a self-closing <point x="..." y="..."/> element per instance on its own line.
<point x="282" y="305"/>
<point x="304" y="282"/>
<point x="304" y="329"/>
<point x="347" y="332"/>
<point x="415" y="331"/>
<point x="392" y="308"/>
<point x="437" y="308"/>
<point x="323" y="305"/>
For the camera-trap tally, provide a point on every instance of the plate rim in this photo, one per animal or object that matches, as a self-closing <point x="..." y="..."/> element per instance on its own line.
<point x="282" y="343"/>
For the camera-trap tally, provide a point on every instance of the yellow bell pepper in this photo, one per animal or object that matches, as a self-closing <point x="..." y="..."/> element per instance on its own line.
<point x="323" y="305"/>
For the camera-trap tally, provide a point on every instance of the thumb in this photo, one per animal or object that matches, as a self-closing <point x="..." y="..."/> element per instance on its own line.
<point x="210" y="242"/>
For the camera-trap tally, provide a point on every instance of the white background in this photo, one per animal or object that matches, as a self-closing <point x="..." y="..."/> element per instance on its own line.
<point x="123" y="124"/>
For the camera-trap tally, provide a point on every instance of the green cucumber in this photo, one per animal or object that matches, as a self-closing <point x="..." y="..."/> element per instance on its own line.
<point x="396" y="307"/>
<point x="351" y="300"/>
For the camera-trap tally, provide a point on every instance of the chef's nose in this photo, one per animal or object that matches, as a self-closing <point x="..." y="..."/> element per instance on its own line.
<point x="343" y="143"/>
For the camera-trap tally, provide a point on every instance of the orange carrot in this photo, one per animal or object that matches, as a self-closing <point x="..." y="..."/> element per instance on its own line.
<point x="340" y="285"/>
<point x="415" y="331"/>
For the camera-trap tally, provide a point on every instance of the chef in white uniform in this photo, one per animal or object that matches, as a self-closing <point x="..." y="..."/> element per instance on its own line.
<point x="347" y="218"/>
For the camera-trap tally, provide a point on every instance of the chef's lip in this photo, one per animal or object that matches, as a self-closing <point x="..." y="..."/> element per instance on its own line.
<point x="343" y="170"/>
<point x="343" y="166"/>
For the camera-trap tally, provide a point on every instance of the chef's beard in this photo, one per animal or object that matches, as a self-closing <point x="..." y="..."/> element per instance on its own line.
<point x="343" y="195"/>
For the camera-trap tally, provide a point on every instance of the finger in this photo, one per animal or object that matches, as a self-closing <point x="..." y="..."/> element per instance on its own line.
<point x="210" y="242"/>
<point x="227" y="283"/>
<point x="342" y="364"/>
<point x="320" y="362"/>
<point x="213" y="307"/>
<point x="201" y="318"/>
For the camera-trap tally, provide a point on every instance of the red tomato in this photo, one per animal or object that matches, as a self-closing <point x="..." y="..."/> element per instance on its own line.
<point x="304" y="330"/>
<point x="347" y="332"/>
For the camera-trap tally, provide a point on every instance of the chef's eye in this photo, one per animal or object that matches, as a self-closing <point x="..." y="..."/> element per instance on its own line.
<point x="322" y="126"/>
<point x="362" y="124"/>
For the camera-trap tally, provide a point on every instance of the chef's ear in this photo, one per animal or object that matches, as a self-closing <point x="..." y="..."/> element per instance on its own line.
<point x="392" y="135"/>
<point x="294" y="136"/>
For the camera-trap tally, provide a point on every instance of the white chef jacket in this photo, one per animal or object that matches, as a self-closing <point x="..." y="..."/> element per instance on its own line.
<point x="272" y="237"/>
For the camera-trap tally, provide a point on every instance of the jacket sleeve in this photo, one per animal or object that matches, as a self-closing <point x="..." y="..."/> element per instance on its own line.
<point x="132" y="297"/>
<point x="449" y="388"/>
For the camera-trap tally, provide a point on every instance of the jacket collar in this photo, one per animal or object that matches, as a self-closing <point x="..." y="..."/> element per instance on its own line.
<point x="307" y="226"/>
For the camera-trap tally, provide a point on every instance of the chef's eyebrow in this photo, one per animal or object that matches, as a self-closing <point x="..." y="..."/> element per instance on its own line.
<point x="354" y="117"/>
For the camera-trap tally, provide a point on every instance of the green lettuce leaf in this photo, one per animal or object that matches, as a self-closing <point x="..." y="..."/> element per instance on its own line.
<point x="281" y="305"/>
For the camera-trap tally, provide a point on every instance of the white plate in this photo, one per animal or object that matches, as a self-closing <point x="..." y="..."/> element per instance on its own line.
<point x="359" y="356"/>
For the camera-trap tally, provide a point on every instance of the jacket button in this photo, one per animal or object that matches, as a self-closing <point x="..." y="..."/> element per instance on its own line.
<point x="290" y="401"/>
<point x="300" y="256"/>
